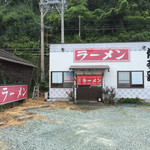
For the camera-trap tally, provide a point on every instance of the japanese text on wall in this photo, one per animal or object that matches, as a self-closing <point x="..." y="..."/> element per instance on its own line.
<point x="89" y="79"/>
<point x="101" y="54"/>
<point x="148" y="64"/>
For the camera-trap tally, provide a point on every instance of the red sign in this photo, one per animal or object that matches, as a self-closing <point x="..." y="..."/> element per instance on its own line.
<point x="89" y="79"/>
<point x="102" y="54"/>
<point x="12" y="93"/>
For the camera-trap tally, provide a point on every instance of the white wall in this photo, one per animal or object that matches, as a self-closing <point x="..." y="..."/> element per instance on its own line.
<point x="61" y="61"/>
<point x="69" y="47"/>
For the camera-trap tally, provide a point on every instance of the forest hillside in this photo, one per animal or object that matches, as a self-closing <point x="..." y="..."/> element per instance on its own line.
<point x="101" y="21"/>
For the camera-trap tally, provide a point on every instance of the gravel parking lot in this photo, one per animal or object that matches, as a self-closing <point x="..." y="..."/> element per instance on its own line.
<point x="103" y="128"/>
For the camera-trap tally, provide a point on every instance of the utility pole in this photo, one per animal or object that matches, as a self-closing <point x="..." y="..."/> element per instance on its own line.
<point x="45" y="7"/>
<point x="62" y="21"/>
<point x="42" y="41"/>
<point x="79" y="25"/>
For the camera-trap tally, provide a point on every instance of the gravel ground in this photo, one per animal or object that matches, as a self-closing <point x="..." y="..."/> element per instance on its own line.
<point x="106" y="128"/>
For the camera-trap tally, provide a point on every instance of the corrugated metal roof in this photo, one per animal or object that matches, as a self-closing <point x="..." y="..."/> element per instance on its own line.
<point x="89" y="67"/>
<point x="14" y="59"/>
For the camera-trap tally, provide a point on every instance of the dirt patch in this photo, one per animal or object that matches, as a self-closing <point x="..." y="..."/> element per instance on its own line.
<point x="147" y="108"/>
<point x="66" y="106"/>
<point x="13" y="120"/>
<point x="3" y="146"/>
<point x="85" y="108"/>
<point x="46" y="119"/>
<point x="10" y="116"/>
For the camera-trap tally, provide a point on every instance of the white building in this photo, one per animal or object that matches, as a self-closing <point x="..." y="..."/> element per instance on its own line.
<point x="83" y="68"/>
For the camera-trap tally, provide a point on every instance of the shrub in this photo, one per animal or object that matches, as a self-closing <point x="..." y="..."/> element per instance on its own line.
<point x="106" y="100"/>
<point x="71" y="96"/>
<point x="1" y="108"/>
<point x="109" y="95"/>
<point x="130" y="100"/>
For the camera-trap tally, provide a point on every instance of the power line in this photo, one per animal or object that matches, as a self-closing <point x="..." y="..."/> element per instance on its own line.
<point x="100" y="28"/>
<point x="108" y="28"/>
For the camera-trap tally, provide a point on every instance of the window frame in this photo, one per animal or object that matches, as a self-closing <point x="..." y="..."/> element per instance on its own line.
<point x="52" y="86"/>
<point x="130" y="79"/>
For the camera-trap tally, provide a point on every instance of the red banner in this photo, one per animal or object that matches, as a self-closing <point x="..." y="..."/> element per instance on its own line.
<point x="89" y="79"/>
<point x="12" y="93"/>
<point x="102" y="54"/>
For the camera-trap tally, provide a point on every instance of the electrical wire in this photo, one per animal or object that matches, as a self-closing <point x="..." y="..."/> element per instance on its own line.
<point x="129" y="27"/>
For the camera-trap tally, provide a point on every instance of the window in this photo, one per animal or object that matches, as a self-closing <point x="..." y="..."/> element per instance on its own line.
<point x="62" y="79"/>
<point x="124" y="79"/>
<point x="130" y="79"/>
<point x="137" y="78"/>
<point x="57" y="80"/>
<point x="68" y="79"/>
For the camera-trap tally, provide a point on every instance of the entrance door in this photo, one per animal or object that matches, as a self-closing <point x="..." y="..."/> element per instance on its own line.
<point x="82" y="92"/>
<point x="90" y="93"/>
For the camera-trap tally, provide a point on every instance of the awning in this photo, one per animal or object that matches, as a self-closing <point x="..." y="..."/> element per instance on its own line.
<point x="102" y="67"/>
